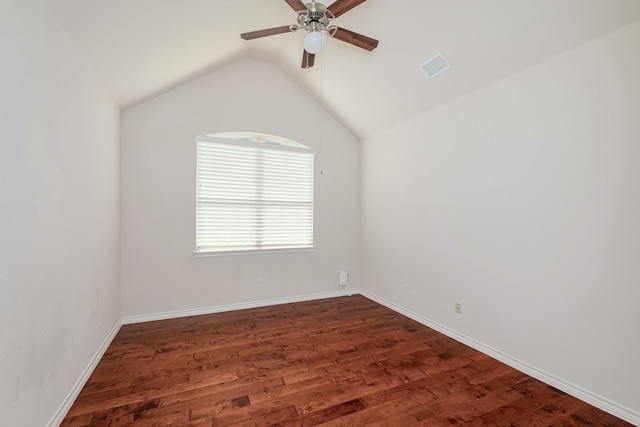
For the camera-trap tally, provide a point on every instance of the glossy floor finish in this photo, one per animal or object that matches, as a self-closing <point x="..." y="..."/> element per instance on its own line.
<point x="335" y="362"/>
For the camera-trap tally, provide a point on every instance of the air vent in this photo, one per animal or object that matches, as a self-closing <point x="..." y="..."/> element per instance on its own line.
<point x="435" y="66"/>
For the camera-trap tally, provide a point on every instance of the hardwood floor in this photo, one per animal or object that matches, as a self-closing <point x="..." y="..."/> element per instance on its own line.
<point x="336" y="362"/>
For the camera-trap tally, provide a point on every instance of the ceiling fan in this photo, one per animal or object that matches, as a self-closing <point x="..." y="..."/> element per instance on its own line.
<point x="316" y="19"/>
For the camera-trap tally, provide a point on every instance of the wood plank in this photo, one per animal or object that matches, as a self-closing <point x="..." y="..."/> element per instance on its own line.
<point x="336" y="362"/>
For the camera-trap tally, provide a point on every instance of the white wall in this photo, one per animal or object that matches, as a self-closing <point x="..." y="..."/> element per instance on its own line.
<point x="522" y="202"/>
<point x="159" y="271"/>
<point x="59" y="241"/>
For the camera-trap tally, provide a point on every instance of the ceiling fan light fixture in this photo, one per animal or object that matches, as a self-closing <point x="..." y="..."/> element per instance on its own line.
<point x="315" y="41"/>
<point x="317" y="20"/>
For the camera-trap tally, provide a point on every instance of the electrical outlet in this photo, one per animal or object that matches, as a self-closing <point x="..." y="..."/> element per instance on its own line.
<point x="407" y="289"/>
<point x="259" y="282"/>
<point x="458" y="308"/>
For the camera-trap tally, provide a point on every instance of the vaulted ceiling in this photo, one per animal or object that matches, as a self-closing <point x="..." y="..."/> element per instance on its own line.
<point x="141" y="48"/>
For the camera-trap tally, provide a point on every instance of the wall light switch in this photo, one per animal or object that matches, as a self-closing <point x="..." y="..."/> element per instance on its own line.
<point x="343" y="277"/>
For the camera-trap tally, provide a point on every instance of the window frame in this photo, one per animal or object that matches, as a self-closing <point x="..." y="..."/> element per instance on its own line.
<point x="257" y="145"/>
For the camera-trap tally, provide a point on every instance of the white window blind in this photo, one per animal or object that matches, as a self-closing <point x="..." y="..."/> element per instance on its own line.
<point x="253" y="197"/>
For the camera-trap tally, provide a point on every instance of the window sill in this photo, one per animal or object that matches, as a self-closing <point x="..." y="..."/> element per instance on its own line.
<point x="234" y="252"/>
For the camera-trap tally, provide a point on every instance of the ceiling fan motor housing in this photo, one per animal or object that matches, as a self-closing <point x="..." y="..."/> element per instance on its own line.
<point x="316" y="18"/>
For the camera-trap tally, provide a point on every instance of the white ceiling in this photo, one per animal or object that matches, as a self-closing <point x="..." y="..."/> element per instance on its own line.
<point x="141" y="48"/>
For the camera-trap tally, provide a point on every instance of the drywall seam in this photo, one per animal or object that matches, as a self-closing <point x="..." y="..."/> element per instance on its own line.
<point x="594" y="399"/>
<point x="58" y="417"/>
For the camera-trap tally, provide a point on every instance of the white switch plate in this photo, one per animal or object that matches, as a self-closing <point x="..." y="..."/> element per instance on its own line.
<point x="343" y="277"/>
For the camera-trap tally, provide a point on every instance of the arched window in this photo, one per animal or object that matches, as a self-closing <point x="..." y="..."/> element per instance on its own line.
<point x="254" y="193"/>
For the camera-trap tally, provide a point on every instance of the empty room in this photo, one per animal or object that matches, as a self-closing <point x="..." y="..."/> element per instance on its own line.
<point x="350" y="213"/>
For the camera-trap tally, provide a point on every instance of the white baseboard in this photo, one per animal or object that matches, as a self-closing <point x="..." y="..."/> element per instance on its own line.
<point x="232" y="307"/>
<point x="607" y="405"/>
<point x="57" y="418"/>
<point x="594" y="399"/>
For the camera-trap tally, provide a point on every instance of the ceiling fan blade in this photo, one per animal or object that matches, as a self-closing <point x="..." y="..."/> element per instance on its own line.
<point x="340" y="7"/>
<point x="264" y="33"/>
<point x="308" y="59"/>
<point x="296" y="5"/>
<point x="355" y="39"/>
